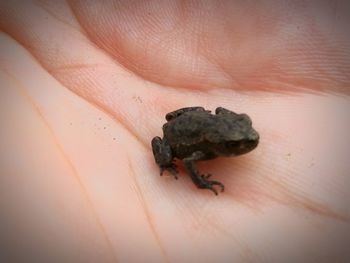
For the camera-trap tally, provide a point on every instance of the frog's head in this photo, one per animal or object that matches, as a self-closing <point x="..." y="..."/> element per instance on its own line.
<point x="236" y="135"/>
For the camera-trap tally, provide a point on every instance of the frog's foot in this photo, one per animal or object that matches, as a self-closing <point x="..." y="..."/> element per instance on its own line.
<point x="201" y="181"/>
<point x="163" y="156"/>
<point x="172" y="168"/>
<point x="208" y="184"/>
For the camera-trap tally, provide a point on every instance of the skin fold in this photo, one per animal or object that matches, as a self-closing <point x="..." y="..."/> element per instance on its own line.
<point x="85" y="86"/>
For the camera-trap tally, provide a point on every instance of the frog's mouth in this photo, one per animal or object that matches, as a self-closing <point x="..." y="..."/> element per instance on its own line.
<point x="251" y="144"/>
<point x="238" y="147"/>
<point x="246" y="146"/>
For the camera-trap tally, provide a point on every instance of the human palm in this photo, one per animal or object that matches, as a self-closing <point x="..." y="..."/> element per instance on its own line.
<point x="85" y="87"/>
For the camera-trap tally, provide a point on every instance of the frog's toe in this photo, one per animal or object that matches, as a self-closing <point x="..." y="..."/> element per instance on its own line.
<point x="211" y="187"/>
<point x="206" y="176"/>
<point x="218" y="184"/>
<point x="213" y="190"/>
<point x="171" y="169"/>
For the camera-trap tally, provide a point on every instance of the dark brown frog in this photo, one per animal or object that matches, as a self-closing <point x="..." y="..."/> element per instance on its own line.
<point x="194" y="134"/>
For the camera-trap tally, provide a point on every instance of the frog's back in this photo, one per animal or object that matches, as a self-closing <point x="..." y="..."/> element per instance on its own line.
<point x="189" y="128"/>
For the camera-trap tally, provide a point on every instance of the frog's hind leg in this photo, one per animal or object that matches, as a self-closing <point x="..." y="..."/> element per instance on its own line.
<point x="177" y="113"/>
<point x="163" y="156"/>
<point x="201" y="181"/>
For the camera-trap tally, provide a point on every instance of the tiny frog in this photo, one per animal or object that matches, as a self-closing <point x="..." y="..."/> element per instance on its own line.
<point x="194" y="134"/>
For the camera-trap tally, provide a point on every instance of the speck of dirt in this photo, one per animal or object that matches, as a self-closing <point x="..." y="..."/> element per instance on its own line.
<point x="137" y="99"/>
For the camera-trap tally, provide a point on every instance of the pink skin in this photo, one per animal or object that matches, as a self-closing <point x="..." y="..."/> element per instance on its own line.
<point x="85" y="87"/>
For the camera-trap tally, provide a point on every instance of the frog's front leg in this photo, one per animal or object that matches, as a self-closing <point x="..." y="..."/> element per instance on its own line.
<point x="201" y="181"/>
<point x="177" y="113"/>
<point x="163" y="156"/>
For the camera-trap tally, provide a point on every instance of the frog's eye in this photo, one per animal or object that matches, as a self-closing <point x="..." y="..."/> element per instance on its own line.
<point x="245" y="118"/>
<point x="232" y="144"/>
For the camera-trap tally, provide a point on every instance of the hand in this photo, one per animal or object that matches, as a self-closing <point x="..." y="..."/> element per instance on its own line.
<point x="86" y="86"/>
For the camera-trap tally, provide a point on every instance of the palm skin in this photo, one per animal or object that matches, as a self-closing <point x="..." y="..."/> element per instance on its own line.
<point x="85" y="87"/>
